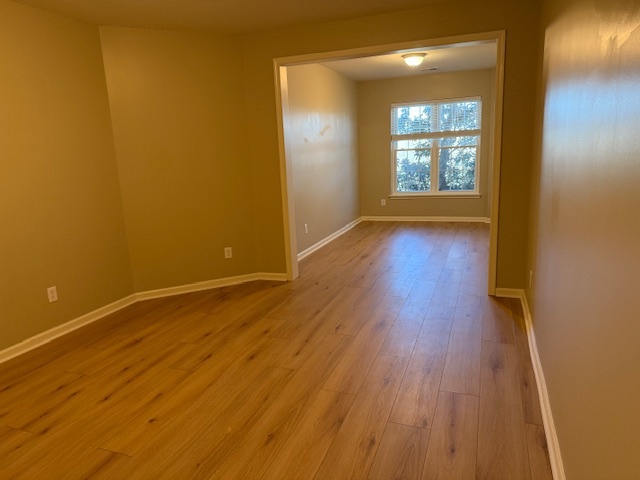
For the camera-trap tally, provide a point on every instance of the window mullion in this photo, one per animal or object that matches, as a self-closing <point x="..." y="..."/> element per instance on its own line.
<point x="435" y="165"/>
<point x="435" y="143"/>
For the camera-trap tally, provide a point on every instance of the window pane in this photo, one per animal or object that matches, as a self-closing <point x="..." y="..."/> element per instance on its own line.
<point x="423" y="143"/>
<point x="411" y="119"/>
<point x="457" y="164"/>
<point x="459" y="141"/>
<point x="413" y="169"/>
<point x="456" y="116"/>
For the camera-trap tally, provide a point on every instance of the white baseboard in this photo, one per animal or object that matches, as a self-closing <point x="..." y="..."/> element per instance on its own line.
<point x="209" y="284"/>
<point x="329" y="239"/>
<point x="509" y="293"/>
<point x="425" y="219"/>
<point x="60" y="330"/>
<point x="349" y="226"/>
<point x="553" y="444"/>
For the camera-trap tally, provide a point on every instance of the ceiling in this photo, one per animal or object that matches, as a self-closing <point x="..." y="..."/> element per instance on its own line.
<point x="450" y="58"/>
<point x="245" y="16"/>
<point x="224" y="16"/>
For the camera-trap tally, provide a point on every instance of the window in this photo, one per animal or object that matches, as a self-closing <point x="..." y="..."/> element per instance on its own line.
<point x="435" y="147"/>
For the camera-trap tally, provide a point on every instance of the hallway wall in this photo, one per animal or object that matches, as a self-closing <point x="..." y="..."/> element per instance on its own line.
<point x="585" y="234"/>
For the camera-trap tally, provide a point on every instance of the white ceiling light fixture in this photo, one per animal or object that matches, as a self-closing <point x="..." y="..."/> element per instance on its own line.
<point x="413" y="59"/>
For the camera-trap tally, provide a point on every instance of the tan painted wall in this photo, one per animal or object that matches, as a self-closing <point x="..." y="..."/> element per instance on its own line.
<point x="518" y="18"/>
<point x="192" y="180"/>
<point x="60" y="206"/>
<point x="184" y="153"/>
<point x="374" y="103"/>
<point x="586" y="235"/>
<point x="321" y="127"/>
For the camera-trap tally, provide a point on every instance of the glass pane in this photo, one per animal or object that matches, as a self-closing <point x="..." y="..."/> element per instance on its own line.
<point x="413" y="170"/>
<point x="413" y="144"/>
<point x="457" y="164"/>
<point x="459" y="141"/>
<point x="411" y="119"/>
<point x="457" y="116"/>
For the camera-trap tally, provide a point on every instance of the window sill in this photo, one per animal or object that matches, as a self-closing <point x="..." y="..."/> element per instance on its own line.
<point x="436" y="195"/>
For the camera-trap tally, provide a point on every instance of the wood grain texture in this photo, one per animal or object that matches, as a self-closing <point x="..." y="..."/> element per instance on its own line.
<point x="538" y="453"/>
<point x="462" y="367"/>
<point x="497" y="322"/>
<point x="354" y="366"/>
<point x="303" y="451"/>
<point x="416" y="400"/>
<point x="12" y="440"/>
<point x="259" y="446"/>
<point x="528" y="385"/>
<point x="401" y="453"/>
<point x="453" y="442"/>
<point x="353" y="451"/>
<point x="502" y="451"/>
<point x="342" y="373"/>
<point x="405" y="330"/>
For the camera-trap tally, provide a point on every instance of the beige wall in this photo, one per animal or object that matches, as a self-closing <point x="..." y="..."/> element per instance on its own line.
<point x="320" y="127"/>
<point x="586" y="235"/>
<point x="191" y="179"/>
<point x="184" y="153"/>
<point x="374" y="103"/>
<point x="518" y="18"/>
<point x="62" y="221"/>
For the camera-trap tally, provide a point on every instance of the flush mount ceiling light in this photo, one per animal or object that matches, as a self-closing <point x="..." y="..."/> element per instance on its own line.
<point x="413" y="59"/>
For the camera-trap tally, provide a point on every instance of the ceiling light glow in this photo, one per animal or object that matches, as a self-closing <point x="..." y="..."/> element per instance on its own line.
<point x="413" y="59"/>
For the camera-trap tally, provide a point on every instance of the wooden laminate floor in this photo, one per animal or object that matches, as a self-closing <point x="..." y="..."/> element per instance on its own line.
<point x="384" y="360"/>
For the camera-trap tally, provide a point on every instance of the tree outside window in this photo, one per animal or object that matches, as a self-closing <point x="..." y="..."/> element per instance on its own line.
<point x="435" y="146"/>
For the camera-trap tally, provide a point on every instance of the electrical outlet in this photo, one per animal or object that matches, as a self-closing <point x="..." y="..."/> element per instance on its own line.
<point x="228" y="252"/>
<point x="383" y="202"/>
<point x="306" y="228"/>
<point x="530" y="278"/>
<point x="52" y="294"/>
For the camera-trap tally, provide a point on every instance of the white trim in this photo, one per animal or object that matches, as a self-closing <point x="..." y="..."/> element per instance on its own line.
<point x="496" y="161"/>
<point x="387" y="48"/>
<point x="60" y="330"/>
<point x="328" y="239"/>
<point x="435" y="134"/>
<point x="425" y="219"/>
<point x="443" y="194"/>
<point x="509" y="293"/>
<point x="210" y="284"/>
<point x="286" y="172"/>
<point x="553" y="445"/>
<point x="281" y="97"/>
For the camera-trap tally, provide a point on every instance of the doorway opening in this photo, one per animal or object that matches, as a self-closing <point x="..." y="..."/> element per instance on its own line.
<point x="377" y="65"/>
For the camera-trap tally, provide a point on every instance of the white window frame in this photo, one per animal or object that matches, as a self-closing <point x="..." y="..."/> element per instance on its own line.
<point x="435" y="147"/>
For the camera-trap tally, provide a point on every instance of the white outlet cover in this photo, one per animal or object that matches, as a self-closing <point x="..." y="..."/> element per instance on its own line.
<point x="52" y="294"/>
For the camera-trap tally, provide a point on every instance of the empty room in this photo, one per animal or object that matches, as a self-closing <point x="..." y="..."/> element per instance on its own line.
<point x="319" y="240"/>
